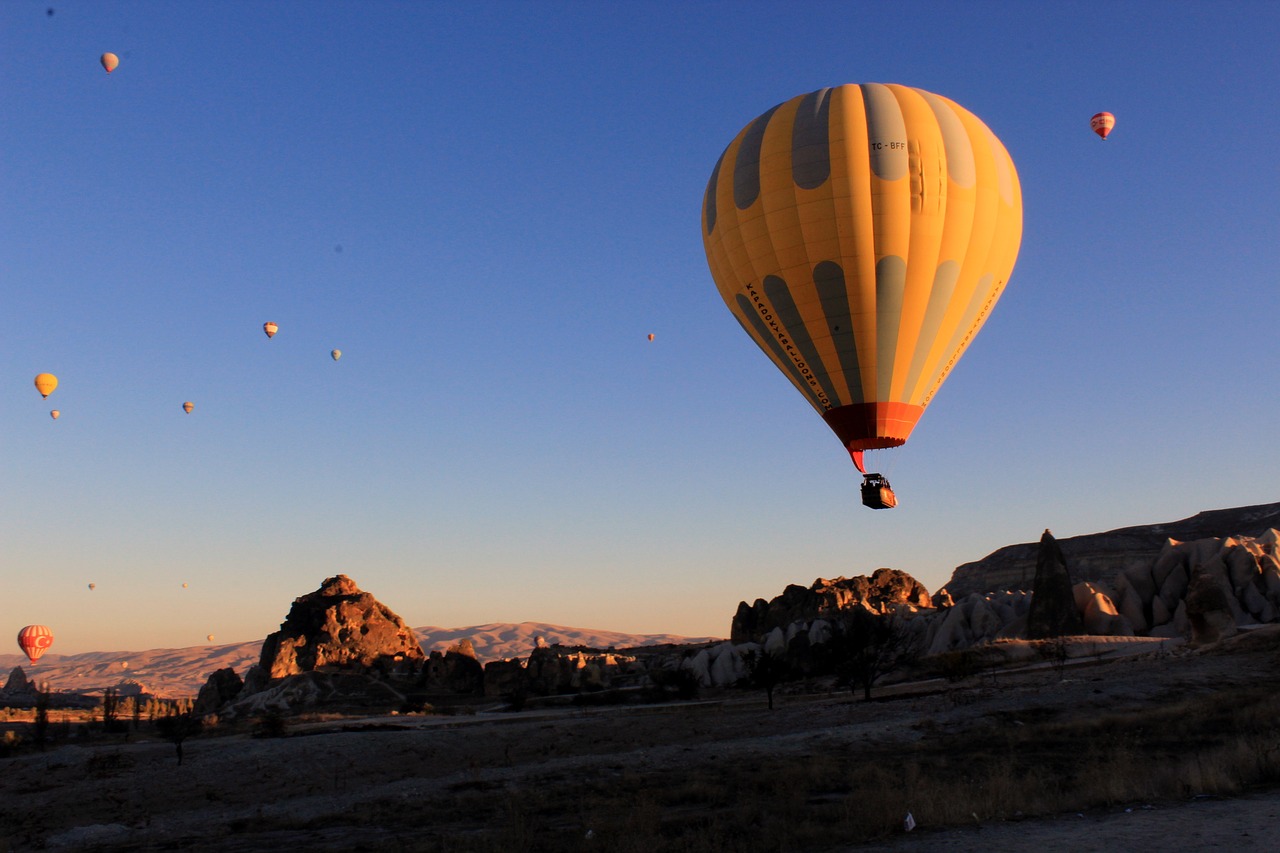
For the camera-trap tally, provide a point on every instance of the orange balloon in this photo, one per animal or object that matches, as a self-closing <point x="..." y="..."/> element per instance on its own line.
<point x="650" y="336"/>
<point x="45" y="383"/>
<point x="1102" y="123"/>
<point x="109" y="61"/>
<point x="55" y="414"/>
<point x="34" y="640"/>
<point x="270" y="328"/>
<point x="188" y="406"/>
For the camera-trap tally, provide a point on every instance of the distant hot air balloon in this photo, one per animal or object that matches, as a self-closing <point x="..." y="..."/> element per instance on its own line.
<point x="337" y="354"/>
<point x="651" y="336"/>
<point x="860" y="235"/>
<point x="92" y="587"/>
<point x="55" y="414"/>
<point x="124" y="664"/>
<point x="45" y="383"/>
<point x="109" y="61"/>
<point x="209" y="637"/>
<point x="34" y="640"/>
<point x="184" y="586"/>
<point x="270" y="328"/>
<point x="1102" y="123"/>
<point x="188" y="406"/>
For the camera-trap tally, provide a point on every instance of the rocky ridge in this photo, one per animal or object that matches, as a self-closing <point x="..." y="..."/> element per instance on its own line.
<point x="1102" y="557"/>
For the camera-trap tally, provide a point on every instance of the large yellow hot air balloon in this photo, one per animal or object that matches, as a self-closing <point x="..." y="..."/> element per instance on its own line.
<point x="45" y="383"/>
<point x="860" y="235"/>
<point x="109" y="61"/>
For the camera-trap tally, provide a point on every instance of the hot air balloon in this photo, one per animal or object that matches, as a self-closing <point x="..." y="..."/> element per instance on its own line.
<point x="92" y="587"/>
<point x="35" y="640"/>
<point x="184" y="586"/>
<point x="188" y="406"/>
<point x="337" y="354"/>
<point x="861" y="235"/>
<point x="55" y="414"/>
<point x="270" y="328"/>
<point x="651" y="336"/>
<point x="45" y="383"/>
<point x="109" y="61"/>
<point x="209" y="637"/>
<point x="1102" y="123"/>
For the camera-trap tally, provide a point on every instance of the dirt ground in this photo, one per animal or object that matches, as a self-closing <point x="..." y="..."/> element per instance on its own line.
<point x="593" y="778"/>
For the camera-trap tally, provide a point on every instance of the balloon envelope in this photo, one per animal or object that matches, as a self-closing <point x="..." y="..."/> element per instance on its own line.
<point x="270" y="328"/>
<point x="45" y="383"/>
<point x="188" y="406"/>
<point x="651" y="336"/>
<point x="337" y="354"/>
<point x="34" y="640"/>
<point x="1102" y="124"/>
<point x="860" y="235"/>
<point x="93" y="586"/>
<point x="109" y="61"/>
<point x="55" y="414"/>
<point x="209" y="637"/>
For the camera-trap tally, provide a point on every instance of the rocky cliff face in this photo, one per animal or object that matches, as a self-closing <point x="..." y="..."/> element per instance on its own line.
<point x="338" y="626"/>
<point x="885" y="590"/>
<point x="1105" y="556"/>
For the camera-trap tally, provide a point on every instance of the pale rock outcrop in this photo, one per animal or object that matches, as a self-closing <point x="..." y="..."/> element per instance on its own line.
<point x="775" y="643"/>
<point x="340" y="691"/>
<point x="1208" y="607"/>
<point x="699" y="665"/>
<point x="1102" y="619"/>
<point x="727" y="666"/>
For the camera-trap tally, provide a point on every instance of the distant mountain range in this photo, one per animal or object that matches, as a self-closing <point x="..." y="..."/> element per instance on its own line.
<point x="181" y="672"/>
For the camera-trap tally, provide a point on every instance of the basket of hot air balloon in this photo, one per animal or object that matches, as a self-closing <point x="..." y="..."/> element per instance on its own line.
<point x="860" y="235"/>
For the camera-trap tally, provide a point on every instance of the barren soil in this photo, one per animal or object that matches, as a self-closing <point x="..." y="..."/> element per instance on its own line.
<point x="621" y="778"/>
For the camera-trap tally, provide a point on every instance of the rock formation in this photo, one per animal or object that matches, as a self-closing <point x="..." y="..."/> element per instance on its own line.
<point x="885" y="590"/>
<point x="1104" y="556"/>
<point x="338" y="626"/>
<point x="1053" y="608"/>
<point x="222" y="687"/>
<point x="17" y="684"/>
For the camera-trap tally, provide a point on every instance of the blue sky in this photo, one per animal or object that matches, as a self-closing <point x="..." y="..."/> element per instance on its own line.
<point x="488" y="207"/>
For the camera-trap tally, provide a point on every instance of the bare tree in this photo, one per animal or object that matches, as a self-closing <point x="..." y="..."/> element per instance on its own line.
<point x="177" y="727"/>
<point x="765" y="671"/>
<point x="868" y="645"/>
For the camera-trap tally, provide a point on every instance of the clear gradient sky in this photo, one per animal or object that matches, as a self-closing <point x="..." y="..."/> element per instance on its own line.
<point x="488" y="207"/>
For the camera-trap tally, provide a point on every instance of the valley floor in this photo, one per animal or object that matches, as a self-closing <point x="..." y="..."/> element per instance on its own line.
<point x="1022" y="752"/>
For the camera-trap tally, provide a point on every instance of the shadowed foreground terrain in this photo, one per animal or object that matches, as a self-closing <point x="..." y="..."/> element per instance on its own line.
<point x="1164" y="733"/>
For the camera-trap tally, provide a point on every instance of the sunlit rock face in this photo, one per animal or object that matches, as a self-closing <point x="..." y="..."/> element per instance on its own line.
<point x="339" y="627"/>
<point x="1104" y="557"/>
<point x="884" y="591"/>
